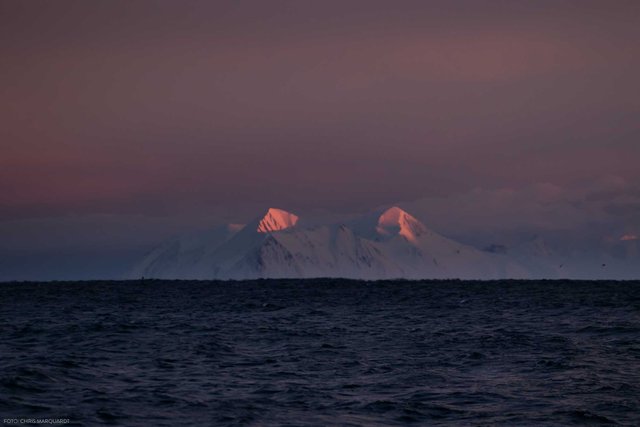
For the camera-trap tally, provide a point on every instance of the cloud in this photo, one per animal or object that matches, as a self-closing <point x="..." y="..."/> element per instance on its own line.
<point x="611" y="202"/>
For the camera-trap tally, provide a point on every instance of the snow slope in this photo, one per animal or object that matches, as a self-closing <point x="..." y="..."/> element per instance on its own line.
<point x="587" y="258"/>
<point x="381" y="245"/>
<point x="423" y="253"/>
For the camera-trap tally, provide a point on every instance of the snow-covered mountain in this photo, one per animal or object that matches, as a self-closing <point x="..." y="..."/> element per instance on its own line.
<point x="581" y="257"/>
<point x="381" y="245"/>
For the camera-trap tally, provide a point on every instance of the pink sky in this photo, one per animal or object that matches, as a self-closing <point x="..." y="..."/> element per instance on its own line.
<point x="121" y="107"/>
<point x="214" y="110"/>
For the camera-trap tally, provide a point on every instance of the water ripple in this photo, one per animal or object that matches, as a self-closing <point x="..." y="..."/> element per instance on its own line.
<point x="321" y="352"/>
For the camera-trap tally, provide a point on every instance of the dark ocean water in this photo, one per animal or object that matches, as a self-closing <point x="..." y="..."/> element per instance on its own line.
<point x="321" y="352"/>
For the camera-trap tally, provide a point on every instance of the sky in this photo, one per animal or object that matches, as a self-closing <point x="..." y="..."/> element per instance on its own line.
<point x="124" y="122"/>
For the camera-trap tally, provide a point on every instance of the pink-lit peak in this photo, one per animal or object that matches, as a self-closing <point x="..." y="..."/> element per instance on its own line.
<point x="396" y="221"/>
<point x="275" y="220"/>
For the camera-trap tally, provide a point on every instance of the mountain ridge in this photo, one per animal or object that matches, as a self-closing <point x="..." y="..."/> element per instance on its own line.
<point x="385" y="244"/>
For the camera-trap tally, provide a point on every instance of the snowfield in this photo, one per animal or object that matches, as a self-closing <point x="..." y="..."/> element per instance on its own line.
<point x="387" y="244"/>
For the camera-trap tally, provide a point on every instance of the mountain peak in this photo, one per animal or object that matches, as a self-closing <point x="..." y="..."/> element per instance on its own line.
<point x="275" y="220"/>
<point x="392" y="214"/>
<point x="396" y="221"/>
